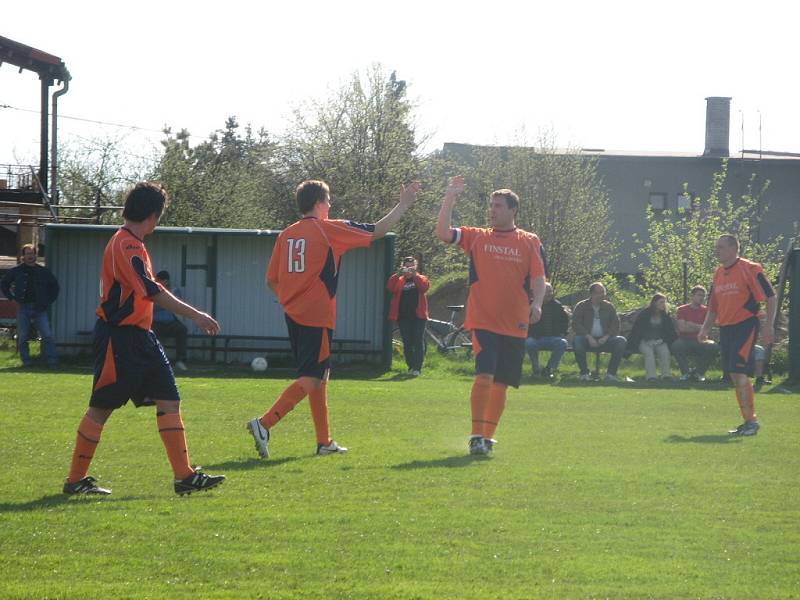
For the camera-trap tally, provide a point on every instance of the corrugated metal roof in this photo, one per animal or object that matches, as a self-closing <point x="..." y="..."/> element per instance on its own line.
<point x="172" y="230"/>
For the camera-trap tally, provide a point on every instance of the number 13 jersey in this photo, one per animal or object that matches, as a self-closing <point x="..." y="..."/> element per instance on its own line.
<point x="304" y="266"/>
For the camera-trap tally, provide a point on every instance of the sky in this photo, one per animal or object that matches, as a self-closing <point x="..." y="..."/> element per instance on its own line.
<point x="616" y="74"/>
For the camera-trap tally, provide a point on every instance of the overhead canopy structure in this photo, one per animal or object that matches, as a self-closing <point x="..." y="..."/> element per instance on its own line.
<point x="50" y="69"/>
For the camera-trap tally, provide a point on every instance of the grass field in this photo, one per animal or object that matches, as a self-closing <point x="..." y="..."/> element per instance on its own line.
<point x="593" y="492"/>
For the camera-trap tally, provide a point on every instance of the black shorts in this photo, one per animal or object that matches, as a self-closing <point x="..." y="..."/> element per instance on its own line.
<point x="311" y="348"/>
<point x="498" y="355"/>
<point x="129" y="364"/>
<point x="736" y="344"/>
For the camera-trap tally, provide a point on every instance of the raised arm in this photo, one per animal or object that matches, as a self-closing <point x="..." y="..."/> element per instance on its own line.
<point x="407" y="197"/>
<point x="443" y="230"/>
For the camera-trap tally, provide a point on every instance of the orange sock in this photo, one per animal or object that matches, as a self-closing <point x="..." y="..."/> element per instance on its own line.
<point x="318" y="401"/>
<point x="283" y="405"/>
<point x="495" y="408"/>
<point x="170" y="428"/>
<point x="85" y="444"/>
<point x="479" y="399"/>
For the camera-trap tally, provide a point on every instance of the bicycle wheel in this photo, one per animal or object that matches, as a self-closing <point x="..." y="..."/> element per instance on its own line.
<point x="459" y="339"/>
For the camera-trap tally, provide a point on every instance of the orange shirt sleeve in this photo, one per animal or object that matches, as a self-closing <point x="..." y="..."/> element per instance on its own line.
<point x="275" y="261"/>
<point x="537" y="266"/>
<point x="465" y="236"/>
<point x="756" y="276"/>
<point x="346" y="235"/>
<point x="132" y="267"/>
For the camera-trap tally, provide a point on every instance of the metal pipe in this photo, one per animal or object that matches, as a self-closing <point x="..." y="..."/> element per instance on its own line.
<point x="46" y="82"/>
<point x="55" y="196"/>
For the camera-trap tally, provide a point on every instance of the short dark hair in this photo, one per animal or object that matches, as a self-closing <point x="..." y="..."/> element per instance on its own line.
<point x="731" y="240"/>
<point x="512" y="200"/>
<point x="163" y="275"/>
<point x="144" y="199"/>
<point x="309" y="193"/>
<point x="699" y="288"/>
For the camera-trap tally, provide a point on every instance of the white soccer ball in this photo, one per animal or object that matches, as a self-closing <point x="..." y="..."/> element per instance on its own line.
<point x="259" y="363"/>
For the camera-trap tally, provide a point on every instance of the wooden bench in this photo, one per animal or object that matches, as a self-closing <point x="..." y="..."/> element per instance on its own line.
<point x="234" y="343"/>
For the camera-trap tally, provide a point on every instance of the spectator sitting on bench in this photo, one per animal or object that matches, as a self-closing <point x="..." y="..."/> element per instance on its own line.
<point x="596" y="325"/>
<point x="652" y="334"/>
<point x="548" y="333"/>
<point x="166" y="324"/>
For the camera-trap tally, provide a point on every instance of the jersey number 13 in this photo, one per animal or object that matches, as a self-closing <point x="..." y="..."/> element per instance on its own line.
<point x="296" y="255"/>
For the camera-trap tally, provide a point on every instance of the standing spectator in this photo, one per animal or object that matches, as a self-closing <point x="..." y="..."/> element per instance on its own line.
<point x="166" y="323"/>
<point x="689" y="320"/>
<point x="409" y="307"/>
<point x="653" y="332"/>
<point x="596" y="325"/>
<point x="548" y="333"/>
<point x="34" y="288"/>
<point x="739" y="286"/>
<point x="507" y="276"/>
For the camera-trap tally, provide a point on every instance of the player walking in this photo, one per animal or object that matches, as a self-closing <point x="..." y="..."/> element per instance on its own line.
<point x="739" y="286"/>
<point x="129" y="360"/>
<point x="303" y="272"/>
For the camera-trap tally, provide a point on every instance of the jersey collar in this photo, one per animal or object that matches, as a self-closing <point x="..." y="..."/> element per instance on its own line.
<point x="131" y="233"/>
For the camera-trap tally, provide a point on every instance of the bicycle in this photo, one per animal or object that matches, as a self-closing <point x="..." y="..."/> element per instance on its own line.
<point x="446" y="335"/>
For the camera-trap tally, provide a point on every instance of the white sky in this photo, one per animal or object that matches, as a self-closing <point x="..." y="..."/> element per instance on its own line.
<point x="615" y="75"/>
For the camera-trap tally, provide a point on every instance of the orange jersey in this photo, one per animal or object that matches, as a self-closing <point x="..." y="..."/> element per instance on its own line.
<point x="502" y="266"/>
<point x="304" y="266"/>
<point x="127" y="282"/>
<point x="737" y="290"/>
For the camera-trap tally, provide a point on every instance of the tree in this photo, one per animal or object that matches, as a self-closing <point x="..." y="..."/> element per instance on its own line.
<point x="562" y="199"/>
<point x="225" y="181"/>
<point x="360" y="140"/>
<point x="689" y="237"/>
<point x="97" y="172"/>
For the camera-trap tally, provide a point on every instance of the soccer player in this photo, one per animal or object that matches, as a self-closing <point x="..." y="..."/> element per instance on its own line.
<point x="507" y="285"/>
<point x="303" y="273"/>
<point x="739" y="285"/>
<point x="130" y="363"/>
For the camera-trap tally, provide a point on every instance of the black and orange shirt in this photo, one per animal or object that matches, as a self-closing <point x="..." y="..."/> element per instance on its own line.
<point x="304" y="266"/>
<point x="502" y="267"/>
<point x="127" y="283"/>
<point x="737" y="290"/>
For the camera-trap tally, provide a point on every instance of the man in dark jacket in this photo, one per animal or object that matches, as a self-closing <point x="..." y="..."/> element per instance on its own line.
<point x="549" y="333"/>
<point x="34" y="288"/>
<point x="596" y="325"/>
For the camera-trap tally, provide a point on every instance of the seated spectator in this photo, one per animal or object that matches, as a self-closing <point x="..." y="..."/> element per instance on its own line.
<point x="596" y="325"/>
<point x="653" y="332"/>
<point x="409" y="307"/>
<point x="548" y="333"/>
<point x="689" y="319"/>
<point x="166" y="324"/>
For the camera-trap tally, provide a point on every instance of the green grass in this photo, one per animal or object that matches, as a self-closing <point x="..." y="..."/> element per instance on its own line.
<point x="594" y="492"/>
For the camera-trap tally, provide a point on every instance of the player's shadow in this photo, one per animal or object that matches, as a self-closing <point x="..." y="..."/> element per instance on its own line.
<point x="52" y="500"/>
<point x="462" y="460"/>
<point x="401" y="377"/>
<point x="249" y="464"/>
<point x="703" y="439"/>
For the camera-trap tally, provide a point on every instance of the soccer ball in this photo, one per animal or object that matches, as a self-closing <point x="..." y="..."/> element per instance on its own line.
<point x="259" y="363"/>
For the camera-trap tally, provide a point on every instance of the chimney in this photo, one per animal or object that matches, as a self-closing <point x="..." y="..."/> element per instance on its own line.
<point x="718" y="125"/>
